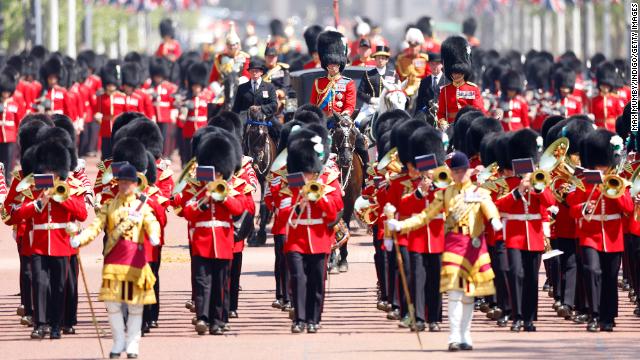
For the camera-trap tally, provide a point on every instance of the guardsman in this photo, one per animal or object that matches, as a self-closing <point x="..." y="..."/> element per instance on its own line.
<point x="512" y="109"/>
<point x="193" y="112"/>
<point x="413" y="65"/>
<point x="607" y="105"/>
<point x="563" y="102"/>
<point x="277" y="73"/>
<point x="467" y="208"/>
<point x="430" y="44"/>
<point x="12" y="112"/>
<point x="89" y="137"/>
<point x="526" y="225"/>
<point x="211" y="214"/>
<point x="161" y="92"/>
<point x="131" y="80"/>
<point x="314" y="202"/>
<point x="469" y="26"/>
<point x="170" y="47"/>
<point x="456" y="58"/>
<point x="600" y="223"/>
<point x="51" y="213"/>
<point x="371" y="85"/>
<point x="111" y="103"/>
<point x="334" y="92"/>
<point x="311" y="39"/>
<point x="55" y="99"/>
<point x="364" y="57"/>
<point x="232" y="60"/>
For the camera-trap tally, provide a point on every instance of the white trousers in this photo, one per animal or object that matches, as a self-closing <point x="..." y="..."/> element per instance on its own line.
<point x="125" y="341"/>
<point x="460" y="308"/>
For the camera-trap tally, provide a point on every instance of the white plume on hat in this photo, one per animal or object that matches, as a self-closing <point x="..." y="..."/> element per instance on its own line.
<point x="363" y="29"/>
<point x="414" y="36"/>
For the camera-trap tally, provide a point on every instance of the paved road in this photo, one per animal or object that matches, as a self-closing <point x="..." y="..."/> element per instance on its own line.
<point x="351" y="328"/>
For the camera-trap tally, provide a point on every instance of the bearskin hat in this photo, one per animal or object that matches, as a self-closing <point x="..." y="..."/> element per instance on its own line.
<point x="332" y="48"/>
<point x="305" y="152"/>
<point x="111" y="73"/>
<point x="123" y="120"/>
<point x="606" y="74"/>
<point x="424" y="141"/>
<point x="487" y="152"/>
<point x="53" y="66"/>
<point x="469" y="26"/>
<point x="309" y="107"/>
<point x="308" y="117"/>
<point x="492" y="74"/>
<point x="27" y="134"/>
<point x="28" y="161"/>
<point x="460" y="127"/>
<point x="167" y="29"/>
<point x="286" y="131"/>
<point x="277" y="28"/>
<point x="146" y="131"/>
<point x="229" y="121"/>
<point x="51" y="156"/>
<point x="387" y="120"/>
<point x="623" y="68"/>
<point x="512" y="80"/>
<point x="217" y="149"/>
<point x="596" y="149"/>
<point x="89" y="59"/>
<point x="61" y="136"/>
<point x="8" y="82"/>
<point x="424" y="24"/>
<point x="548" y="123"/>
<point x="133" y="56"/>
<point x="197" y="74"/>
<point x="399" y="136"/>
<point x="595" y="61"/>
<point x="555" y="132"/>
<point x="43" y="118"/>
<point x="480" y="127"/>
<point x="131" y="74"/>
<point x="564" y="77"/>
<point x="159" y="67"/>
<point x="311" y="37"/>
<point x="456" y="57"/>
<point x="16" y="62"/>
<point x="576" y="129"/>
<point x="132" y="151"/>
<point x="623" y="127"/>
<point x="199" y="134"/>
<point x="525" y="143"/>
<point x="501" y="150"/>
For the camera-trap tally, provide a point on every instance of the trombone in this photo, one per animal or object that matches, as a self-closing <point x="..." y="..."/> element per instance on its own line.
<point x="560" y="169"/>
<point x="312" y="191"/>
<point x="612" y="187"/>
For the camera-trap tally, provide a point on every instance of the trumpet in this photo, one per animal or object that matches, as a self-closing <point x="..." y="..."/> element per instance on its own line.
<point x="143" y="183"/>
<point x="390" y="162"/>
<point x="442" y="177"/>
<point x="313" y="190"/>
<point x="216" y="190"/>
<point x="365" y="210"/>
<point x="540" y="179"/>
<point x="60" y="191"/>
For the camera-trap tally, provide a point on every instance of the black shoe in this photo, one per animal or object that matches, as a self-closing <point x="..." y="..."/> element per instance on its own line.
<point x="287" y="306"/>
<point x="69" y="330"/>
<point x="517" y="325"/>
<point x="636" y="311"/>
<point x="26" y="320"/>
<point x="503" y="321"/>
<point x="201" y="327"/>
<point x="393" y="315"/>
<point x="226" y="327"/>
<point x="556" y="305"/>
<point x="434" y="327"/>
<point x="55" y="333"/>
<point x="46" y="329"/>
<point x="233" y="314"/>
<point x="464" y="346"/>
<point x="343" y="266"/>
<point x="381" y="305"/>
<point x="485" y="307"/>
<point x="581" y="318"/>
<point x="153" y="324"/>
<point x="389" y="307"/>
<point x="405" y="323"/>
<point x="606" y="327"/>
<point x="454" y="347"/>
<point x="546" y="285"/>
<point x="297" y="328"/>
<point x="495" y="313"/>
<point x="132" y="356"/>
<point x="114" y="355"/>
<point x="419" y="326"/>
<point x="277" y="304"/>
<point x="528" y="326"/>
<point x="37" y="333"/>
<point x="189" y="304"/>
<point x="564" y="311"/>
<point x="292" y="314"/>
<point x="216" y="330"/>
<point x="145" y="328"/>
<point x="312" y="328"/>
<point x="593" y="325"/>
<point x="20" y="311"/>
<point x="626" y="287"/>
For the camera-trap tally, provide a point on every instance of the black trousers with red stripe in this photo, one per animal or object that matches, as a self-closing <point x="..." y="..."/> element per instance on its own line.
<point x="307" y="273"/>
<point x="210" y="277"/>
<point x="280" y="271"/>
<point x="49" y="278"/>
<point x="601" y="277"/>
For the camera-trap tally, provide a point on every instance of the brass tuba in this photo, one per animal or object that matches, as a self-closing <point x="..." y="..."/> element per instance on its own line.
<point x="390" y="162"/>
<point x="365" y="210"/>
<point x="555" y="162"/>
<point x="185" y="176"/>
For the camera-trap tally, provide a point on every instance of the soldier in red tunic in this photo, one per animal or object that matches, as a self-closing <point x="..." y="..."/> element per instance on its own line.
<point x="563" y="102"/>
<point x="456" y="58"/>
<point x="161" y="92"/>
<point x="55" y="100"/>
<point x="111" y="103"/>
<point x="11" y="112"/>
<point x="193" y="112"/>
<point x="131" y="80"/>
<point x="364" y="54"/>
<point x="607" y="105"/>
<point x="170" y="47"/>
<point x="512" y="108"/>
<point x="89" y="137"/>
<point x="311" y="39"/>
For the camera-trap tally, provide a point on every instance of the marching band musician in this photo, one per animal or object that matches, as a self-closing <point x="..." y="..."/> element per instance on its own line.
<point x="131" y="80"/>
<point x="466" y="208"/>
<point x="607" y="105"/>
<point x="89" y="137"/>
<point x="425" y="244"/>
<point x="512" y="109"/>
<point x="210" y="213"/>
<point x="526" y="225"/>
<point x="456" y="58"/>
<point x="309" y="212"/>
<point x="333" y="92"/>
<point x="599" y="210"/>
<point x="127" y="277"/>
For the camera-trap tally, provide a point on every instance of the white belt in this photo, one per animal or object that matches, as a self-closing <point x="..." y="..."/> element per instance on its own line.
<point x="7" y="123"/>
<point x="514" y="119"/>
<point x="521" y="217"/>
<point x="162" y="103"/>
<point x="50" y="226"/>
<point x="57" y="111"/>
<point x="309" y="222"/>
<point x="197" y="118"/>
<point x="603" y="217"/>
<point x="212" y="224"/>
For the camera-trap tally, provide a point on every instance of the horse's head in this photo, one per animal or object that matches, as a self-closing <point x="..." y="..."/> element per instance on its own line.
<point x="343" y="139"/>
<point x="230" y="84"/>
<point x="394" y="96"/>
<point x="257" y="143"/>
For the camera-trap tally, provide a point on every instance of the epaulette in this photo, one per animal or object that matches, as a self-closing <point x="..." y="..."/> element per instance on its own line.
<point x="167" y="173"/>
<point x="16" y="174"/>
<point x="101" y="166"/>
<point x="284" y="65"/>
<point x="248" y="189"/>
<point x="332" y="175"/>
<point x="151" y="190"/>
<point x="161" y="199"/>
<point x="426" y="56"/>
<point x="472" y="84"/>
<point x="233" y="192"/>
<point x="237" y="182"/>
<point x="328" y="188"/>
<point x="286" y="191"/>
<point x="407" y="187"/>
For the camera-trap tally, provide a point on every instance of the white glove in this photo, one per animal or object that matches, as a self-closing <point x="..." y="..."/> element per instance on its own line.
<point x="394" y="225"/>
<point x="496" y="224"/>
<point x="374" y="101"/>
<point x="553" y="210"/>
<point x="389" y="209"/>
<point x="154" y="240"/>
<point x="546" y="229"/>
<point x="74" y="242"/>
<point x="388" y="244"/>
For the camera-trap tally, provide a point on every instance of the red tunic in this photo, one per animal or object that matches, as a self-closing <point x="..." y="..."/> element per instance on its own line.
<point x="147" y="103"/>
<point x="161" y="95"/>
<point x="164" y="177"/>
<point x="169" y="49"/>
<point x="109" y="106"/>
<point x="452" y="99"/>
<point x="428" y="239"/>
<point x="606" y="109"/>
<point x="337" y="95"/>
<point x="93" y="83"/>
<point x="515" y="113"/>
<point x="14" y="200"/>
<point x="12" y="113"/>
<point x="158" y="205"/>
<point x="430" y="46"/>
<point x="567" y="106"/>
<point x="196" y="117"/>
<point x="61" y="102"/>
<point x="241" y="58"/>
